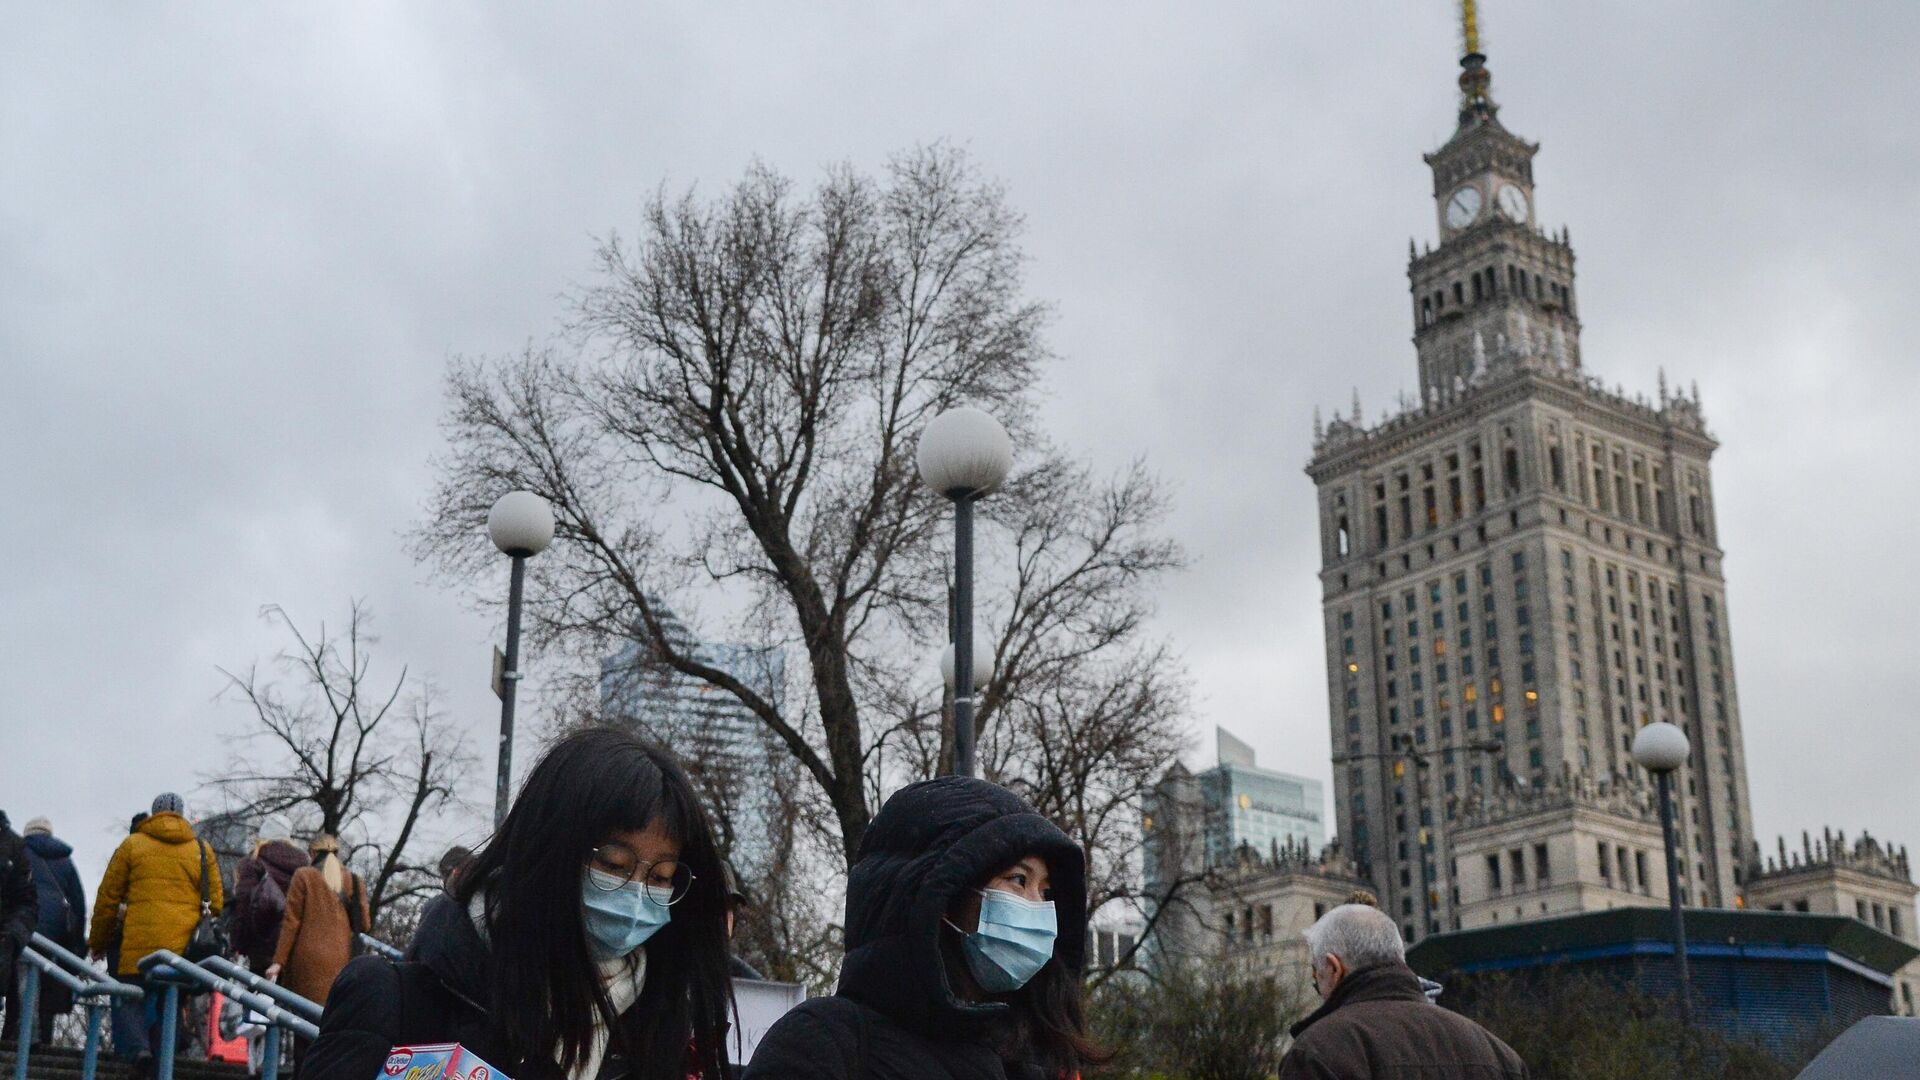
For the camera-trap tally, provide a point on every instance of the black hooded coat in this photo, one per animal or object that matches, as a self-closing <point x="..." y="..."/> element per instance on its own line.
<point x="895" y="1015"/>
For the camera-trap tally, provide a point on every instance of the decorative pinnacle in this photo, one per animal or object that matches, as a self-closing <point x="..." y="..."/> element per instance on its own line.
<point x="1475" y="103"/>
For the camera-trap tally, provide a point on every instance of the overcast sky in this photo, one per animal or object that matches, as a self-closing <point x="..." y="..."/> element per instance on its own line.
<point x="239" y="242"/>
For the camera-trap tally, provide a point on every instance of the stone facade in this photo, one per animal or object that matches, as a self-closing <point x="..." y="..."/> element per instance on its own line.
<point x="1867" y="880"/>
<point x="1574" y="845"/>
<point x="1521" y="559"/>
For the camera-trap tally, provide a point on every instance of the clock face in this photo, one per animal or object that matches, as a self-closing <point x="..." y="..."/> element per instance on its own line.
<point x="1463" y="209"/>
<point x="1513" y="204"/>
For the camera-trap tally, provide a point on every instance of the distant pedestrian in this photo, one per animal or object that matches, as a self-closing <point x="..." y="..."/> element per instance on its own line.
<point x="456" y="857"/>
<point x="737" y="900"/>
<point x="19" y="905"/>
<point x="126" y="1020"/>
<point x="63" y="921"/>
<point x="1375" y="1022"/>
<point x="157" y="873"/>
<point x="326" y="908"/>
<point x="260" y="895"/>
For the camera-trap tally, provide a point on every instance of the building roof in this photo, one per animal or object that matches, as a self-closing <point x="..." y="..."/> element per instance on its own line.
<point x="1595" y="933"/>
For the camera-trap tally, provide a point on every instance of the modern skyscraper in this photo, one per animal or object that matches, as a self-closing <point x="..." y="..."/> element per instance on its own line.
<point x="720" y="742"/>
<point x="1518" y="572"/>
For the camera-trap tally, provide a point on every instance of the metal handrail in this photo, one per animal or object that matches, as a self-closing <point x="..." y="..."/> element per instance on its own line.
<point x="381" y="947"/>
<point x="91" y="986"/>
<point x="98" y="981"/>
<point x="305" y="1009"/>
<point x="183" y="969"/>
<point x="171" y="971"/>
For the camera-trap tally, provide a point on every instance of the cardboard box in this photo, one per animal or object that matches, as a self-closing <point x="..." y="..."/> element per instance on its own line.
<point x="437" y="1061"/>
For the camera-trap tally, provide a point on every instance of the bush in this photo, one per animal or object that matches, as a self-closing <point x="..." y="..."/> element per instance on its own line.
<point x="1582" y="1027"/>
<point x="1194" y="1022"/>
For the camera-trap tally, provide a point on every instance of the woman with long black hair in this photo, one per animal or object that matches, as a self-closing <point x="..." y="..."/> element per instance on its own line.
<point x="586" y="941"/>
<point x="966" y="930"/>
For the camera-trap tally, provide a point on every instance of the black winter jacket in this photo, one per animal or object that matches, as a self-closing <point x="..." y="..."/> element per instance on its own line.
<point x="19" y="900"/>
<point x="437" y="995"/>
<point x="895" y="1015"/>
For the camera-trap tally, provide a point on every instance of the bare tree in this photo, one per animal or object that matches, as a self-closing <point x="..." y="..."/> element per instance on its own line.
<point x="736" y="430"/>
<point x="369" y="761"/>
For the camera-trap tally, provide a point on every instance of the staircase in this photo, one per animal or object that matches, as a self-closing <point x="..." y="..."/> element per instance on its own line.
<point x="63" y="1063"/>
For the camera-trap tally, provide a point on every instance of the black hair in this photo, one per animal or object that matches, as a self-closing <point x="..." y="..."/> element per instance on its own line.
<point x="545" y="986"/>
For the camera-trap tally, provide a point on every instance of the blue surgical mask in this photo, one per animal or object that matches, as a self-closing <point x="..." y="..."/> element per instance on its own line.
<point x="619" y="919"/>
<point x="1013" y="942"/>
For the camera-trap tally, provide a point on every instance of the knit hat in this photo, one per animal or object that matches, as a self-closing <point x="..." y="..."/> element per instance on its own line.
<point x="275" y="828"/>
<point x="169" y="803"/>
<point x="39" y="825"/>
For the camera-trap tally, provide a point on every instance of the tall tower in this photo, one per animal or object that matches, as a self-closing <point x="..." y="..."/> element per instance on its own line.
<point x="1518" y="572"/>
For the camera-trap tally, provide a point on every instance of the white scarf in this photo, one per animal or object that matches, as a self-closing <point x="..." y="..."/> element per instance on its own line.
<point x="624" y="978"/>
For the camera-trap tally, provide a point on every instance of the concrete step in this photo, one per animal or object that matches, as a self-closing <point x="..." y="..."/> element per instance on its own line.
<point x="63" y="1063"/>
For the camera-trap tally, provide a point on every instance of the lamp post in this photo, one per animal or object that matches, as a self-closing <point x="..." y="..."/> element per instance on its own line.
<point x="521" y="526"/>
<point x="963" y="454"/>
<point x="1660" y="749"/>
<point x="1404" y="747"/>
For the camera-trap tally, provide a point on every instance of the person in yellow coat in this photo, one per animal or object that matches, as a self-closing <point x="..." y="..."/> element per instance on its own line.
<point x="326" y="907"/>
<point x="156" y="873"/>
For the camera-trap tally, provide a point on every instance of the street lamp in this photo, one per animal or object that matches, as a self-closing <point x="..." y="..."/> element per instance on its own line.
<point x="521" y="526"/>
<point x="1404" y="747"/>
<point x="1660" y="749"/>
<point x="964" y="454"/>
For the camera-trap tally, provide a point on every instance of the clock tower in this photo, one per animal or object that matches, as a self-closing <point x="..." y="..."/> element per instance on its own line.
<point x="1520" y="569"/>
<point x="1498" y="291"/>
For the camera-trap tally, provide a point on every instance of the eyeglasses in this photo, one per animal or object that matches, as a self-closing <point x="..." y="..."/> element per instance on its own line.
<point x="664" y="881"/>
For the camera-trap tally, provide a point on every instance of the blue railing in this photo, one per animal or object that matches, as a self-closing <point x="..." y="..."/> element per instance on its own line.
<point x="374" y="944"/>
<point x="91" y="986"/>
<point x="281" y="1008"/>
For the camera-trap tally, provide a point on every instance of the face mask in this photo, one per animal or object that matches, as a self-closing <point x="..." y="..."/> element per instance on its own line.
<point x="1013" y="942"/>
<point x="619" y="920"/>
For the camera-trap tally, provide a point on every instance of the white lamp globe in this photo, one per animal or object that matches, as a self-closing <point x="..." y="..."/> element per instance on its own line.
<point x="1660" y="748"/>
<point x="520" y="524"/>
<point x="982" y="666"/>
<point x="964" y="452"/>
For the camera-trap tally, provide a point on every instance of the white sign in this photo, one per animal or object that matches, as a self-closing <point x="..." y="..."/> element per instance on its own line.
<point x="760" y="1004"/>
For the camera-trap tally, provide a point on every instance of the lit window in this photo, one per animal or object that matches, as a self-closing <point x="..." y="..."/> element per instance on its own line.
<point x="1471" y="693"/>
<point x="1533" y="695"/>
<point x="1493" y="684"/>
<point x="1499" y="714"/>
<point x="1353" y="667"/>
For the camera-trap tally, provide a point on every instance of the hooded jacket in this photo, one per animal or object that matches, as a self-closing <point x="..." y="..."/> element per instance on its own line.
<point x="156" y="873"/>
<point x="438" y="994"/>
<point x="895" y="1014"/>
<point x="1379" y="1023"/>
<point x="255" y="923"/>
<point x="63" y="903"/>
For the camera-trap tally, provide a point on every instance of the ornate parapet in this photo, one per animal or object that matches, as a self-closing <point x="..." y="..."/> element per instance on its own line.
<point x="1866" y="855"/>
<point x="1621" y="796"/>
<point x="1532" y="351"/>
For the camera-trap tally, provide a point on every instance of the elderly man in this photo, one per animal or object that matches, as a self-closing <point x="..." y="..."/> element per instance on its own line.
<point x="1375" y="1022"/>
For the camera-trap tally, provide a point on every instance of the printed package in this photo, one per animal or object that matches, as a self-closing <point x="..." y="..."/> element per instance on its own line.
<point x="437" y="1061"/>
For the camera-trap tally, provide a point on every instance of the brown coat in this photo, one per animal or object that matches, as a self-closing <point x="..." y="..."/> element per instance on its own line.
<point x="316" y="936"/>
<point x="1377" y="1025"/>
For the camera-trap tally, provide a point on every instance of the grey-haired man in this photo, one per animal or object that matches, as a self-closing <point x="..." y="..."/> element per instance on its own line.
<point x="1375" y="1021"/>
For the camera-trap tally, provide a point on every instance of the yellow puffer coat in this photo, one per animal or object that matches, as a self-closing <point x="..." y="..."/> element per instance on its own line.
<point x="156" y="873"/>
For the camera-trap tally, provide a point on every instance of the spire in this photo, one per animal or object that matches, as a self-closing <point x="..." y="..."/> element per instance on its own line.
<point x="1475" y="104"/>
<point x="1356" y="406"/>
